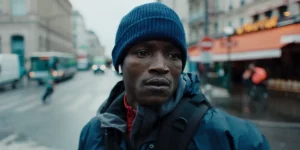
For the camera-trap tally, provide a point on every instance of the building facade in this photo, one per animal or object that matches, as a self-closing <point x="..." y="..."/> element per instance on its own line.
<point x="182" y="9"/>
<point x="261" y="28"/>
<point x="29" y="26"/>
<point x="95" y="47"/>
<point x="85" y="41"/>
<point x="80" y="36"/>
<point x="266" y="32"/>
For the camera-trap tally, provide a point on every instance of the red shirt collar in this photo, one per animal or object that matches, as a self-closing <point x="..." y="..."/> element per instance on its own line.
<point x="130" y="115"/>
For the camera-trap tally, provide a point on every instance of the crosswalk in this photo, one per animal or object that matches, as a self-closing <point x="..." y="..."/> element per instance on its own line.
<point x="69" y="102"/>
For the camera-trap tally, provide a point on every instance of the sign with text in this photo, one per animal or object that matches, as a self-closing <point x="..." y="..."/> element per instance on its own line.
<point x="260" y="25"/>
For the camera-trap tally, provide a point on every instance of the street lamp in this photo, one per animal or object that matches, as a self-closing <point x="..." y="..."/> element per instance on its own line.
<point x="228" y="31"/>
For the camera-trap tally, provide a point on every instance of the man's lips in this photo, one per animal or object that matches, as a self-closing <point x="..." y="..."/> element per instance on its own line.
<point x="158" y="82"/>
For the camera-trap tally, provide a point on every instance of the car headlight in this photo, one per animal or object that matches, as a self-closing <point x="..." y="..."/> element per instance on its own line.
<point x="94" y="67"/>
<point x="54" y="73"/>
<point x="31" y="74"/>
<point x="102" y="67"/>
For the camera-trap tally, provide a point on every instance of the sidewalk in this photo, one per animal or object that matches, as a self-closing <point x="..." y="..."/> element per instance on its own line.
<point x="232" y="103"/>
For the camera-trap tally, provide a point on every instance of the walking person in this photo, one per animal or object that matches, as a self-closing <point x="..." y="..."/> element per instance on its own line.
<point x="256" y="89"/>
<point x="50" y="83"/>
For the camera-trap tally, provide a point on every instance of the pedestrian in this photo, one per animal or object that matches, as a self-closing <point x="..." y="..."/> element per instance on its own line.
<point x="156" y="105"/>
<point x="50" y="83"/>
<point x="256" y="89"/>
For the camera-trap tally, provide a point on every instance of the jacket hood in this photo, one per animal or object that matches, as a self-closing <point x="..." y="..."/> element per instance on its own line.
<point x="112" y="113"/>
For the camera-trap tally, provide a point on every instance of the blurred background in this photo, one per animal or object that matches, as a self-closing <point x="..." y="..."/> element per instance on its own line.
<point x="74" y="39"/>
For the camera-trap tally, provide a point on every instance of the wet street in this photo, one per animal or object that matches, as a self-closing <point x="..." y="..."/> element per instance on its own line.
<point x="27" y="124"/>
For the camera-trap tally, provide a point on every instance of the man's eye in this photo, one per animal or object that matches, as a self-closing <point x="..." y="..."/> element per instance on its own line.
<point x="174" y="56"/>
<point x="142" y="53"/>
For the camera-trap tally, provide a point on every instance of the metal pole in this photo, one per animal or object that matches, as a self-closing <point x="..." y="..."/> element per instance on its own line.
<point x="206" y="32"/>
<point x="206" y="29"/>
<point x="229" y="46"/>
<point x="47" y="38"/>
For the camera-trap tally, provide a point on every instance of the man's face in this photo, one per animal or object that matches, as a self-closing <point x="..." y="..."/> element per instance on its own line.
<point x="151" y="72"/>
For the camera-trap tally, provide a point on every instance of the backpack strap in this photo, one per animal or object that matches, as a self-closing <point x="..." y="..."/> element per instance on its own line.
<point x="179" y="127"/>
<point x="112" y="139"/>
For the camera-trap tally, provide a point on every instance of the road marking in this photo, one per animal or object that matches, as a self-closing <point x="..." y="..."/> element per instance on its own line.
<point x="8" y="98"/>
<point x="97" y="102"/>
<point x="10" y="143"/>
<point x="17" y="102"/>
<point x="8" y="139"/>
<point x="79" y="101"/>
<point x="28" y="106"/>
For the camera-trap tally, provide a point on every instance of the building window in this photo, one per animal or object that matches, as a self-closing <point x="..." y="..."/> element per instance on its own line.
<point x="1" y="6"/>
<point x="41" y="42"/>
<point x="18" y="7"/>
<point x="230" y="5"/>
<point x="216" y="26"/>
<point x="0" y="45"/>
<point x="242" y="20"/>
<point x="282" y="10"/>
<point x="75" y="41"/>
<point x="268" y="14"/>
<point x="243" y="2"/>
<point x="255" y="18"/>
<point x="229" y="24"/>
<point x="74" y="25"/>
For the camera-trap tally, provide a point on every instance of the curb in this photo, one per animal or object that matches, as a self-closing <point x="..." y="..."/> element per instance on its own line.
<point x="271" y="124"/>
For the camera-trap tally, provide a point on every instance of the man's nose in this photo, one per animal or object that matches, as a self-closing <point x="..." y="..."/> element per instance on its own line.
<point x="158" y="65"/>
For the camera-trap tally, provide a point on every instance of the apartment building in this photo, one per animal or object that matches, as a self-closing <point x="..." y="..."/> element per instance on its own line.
<point x="182" y="9"/>
<point x="28" y="26"/>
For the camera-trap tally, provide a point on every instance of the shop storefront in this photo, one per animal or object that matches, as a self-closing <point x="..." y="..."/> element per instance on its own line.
<point x="273" y="44"/>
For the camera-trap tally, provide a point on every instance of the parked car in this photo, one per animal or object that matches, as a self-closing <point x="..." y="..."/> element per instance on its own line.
<point x="9" y="69"/>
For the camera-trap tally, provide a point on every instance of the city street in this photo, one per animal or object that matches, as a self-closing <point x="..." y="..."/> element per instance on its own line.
<point x="27" y="124"/>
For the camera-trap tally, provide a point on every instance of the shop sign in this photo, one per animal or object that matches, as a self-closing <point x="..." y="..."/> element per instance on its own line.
<point x="260" y="25"/>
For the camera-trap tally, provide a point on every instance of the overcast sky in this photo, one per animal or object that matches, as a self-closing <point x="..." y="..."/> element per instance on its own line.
<point x="103" y="17"/>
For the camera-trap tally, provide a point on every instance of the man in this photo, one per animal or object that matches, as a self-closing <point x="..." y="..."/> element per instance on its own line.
<point x="150" y="51"/>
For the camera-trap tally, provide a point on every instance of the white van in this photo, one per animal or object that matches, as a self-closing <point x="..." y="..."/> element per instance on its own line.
<point x="9" y="69"/>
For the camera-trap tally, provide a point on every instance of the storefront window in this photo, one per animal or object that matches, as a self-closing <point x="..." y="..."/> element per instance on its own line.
<point x="18" y="7"/>
<point x="282" y="10"/>
<point x="255" y="18"/>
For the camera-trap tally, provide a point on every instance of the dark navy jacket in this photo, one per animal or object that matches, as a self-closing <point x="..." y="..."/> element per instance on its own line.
<point x="217" y="130"/>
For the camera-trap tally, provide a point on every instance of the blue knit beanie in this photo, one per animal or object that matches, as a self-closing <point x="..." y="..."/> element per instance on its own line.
<point x="152" y="21"/>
